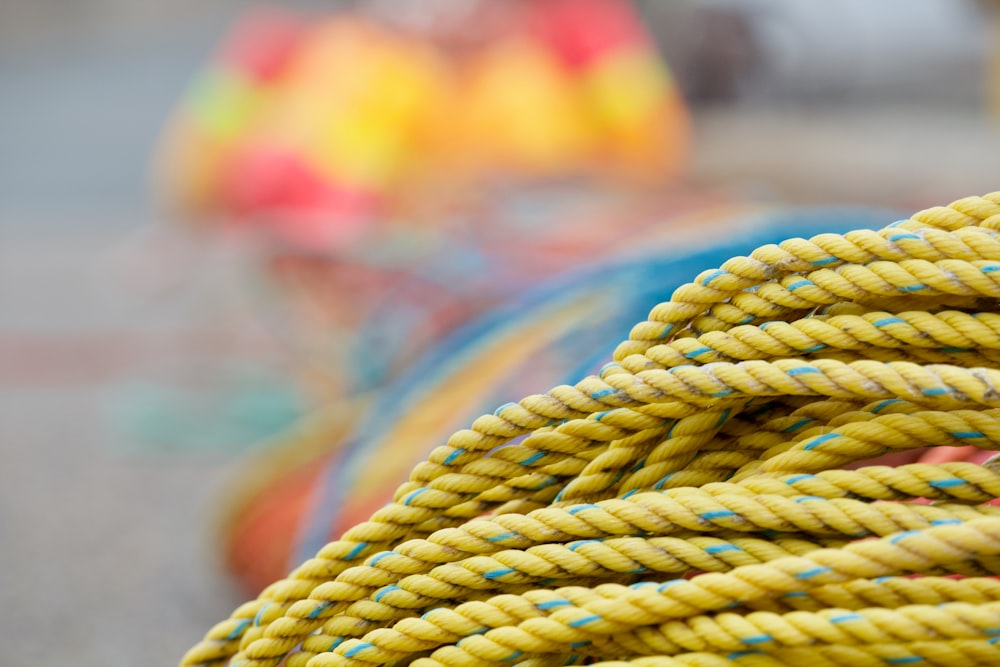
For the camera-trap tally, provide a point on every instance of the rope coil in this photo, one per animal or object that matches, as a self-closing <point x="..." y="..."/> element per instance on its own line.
<point x="691" y="504"/>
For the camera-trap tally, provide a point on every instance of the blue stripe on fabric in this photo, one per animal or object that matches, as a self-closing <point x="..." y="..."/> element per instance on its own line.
<point x="967" y="434"/>
<point x="819" y="440"/>
<point x="800" y="283"/>
<point x="513" y="656"/>
<point x="934" y="391"/>
<point x="802" y="499"/>
<point x="697" y="353"/>
<point x="824" y="261"/>
<point x="260" y="614"/>
<point x="718" y="514"/>
<point x="757" y="639"/>
<point x="885" y="321"/>
<point x="496" y="413"/>
<point x="904" y="235"/>
<point x="814" y="348"/>
<point x="802" y="370"/>
<point x="603" y="392"/>
<point x="909" y="660"/>
<point x="990" y="269"/>
<point x="336" y="642"/>
<point x="912" y="288"/>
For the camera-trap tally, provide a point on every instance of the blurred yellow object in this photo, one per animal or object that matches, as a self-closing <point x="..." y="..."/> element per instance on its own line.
<point x="345" y="120"/>
<point x="521" y="112"/>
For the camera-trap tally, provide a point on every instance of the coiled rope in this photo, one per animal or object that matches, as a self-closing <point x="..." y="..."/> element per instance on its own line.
<point x="691" y="504"/>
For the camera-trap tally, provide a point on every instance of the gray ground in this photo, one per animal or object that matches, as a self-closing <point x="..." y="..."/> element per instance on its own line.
<point x="105" y="549"/>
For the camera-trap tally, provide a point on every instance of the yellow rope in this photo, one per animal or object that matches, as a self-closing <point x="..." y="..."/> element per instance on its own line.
<point x="715" y="446"/>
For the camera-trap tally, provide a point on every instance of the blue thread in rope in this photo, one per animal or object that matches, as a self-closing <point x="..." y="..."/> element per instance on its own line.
<point x="584" y="621"/>
<point x="241" y="625"/>
<point x="385" y="591"/>
<point x="947" y="483"/>
<point x="496" y="574"/>
<point x="411" y="496"/>
<point x="720" y="548"/>
<point x="819" y="440"/>
<point x="356" y="551"/>
<point x="354" y="650"/>
<point x="454" y="455"/>
<point x="549" y="604"/>
<point x="580" y="508"/>
<point x="501" y="537"/>
<point x="809" y="574"/>
<point x="318" y="609"/>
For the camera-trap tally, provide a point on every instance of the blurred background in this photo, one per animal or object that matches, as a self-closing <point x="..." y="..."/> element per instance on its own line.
<point x="227" y="232"/>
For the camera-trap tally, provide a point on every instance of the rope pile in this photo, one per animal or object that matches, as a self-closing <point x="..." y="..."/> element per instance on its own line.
<point x="693" y="504"/>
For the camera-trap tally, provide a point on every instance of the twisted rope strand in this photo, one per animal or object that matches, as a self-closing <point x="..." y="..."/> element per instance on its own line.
<point x="713" y="448"/>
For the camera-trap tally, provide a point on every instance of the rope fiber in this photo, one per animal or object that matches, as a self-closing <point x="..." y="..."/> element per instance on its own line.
<point x="710" y="498"/>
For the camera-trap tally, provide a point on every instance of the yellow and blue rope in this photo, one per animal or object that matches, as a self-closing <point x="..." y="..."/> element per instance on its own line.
<point x="691" y="504"/>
